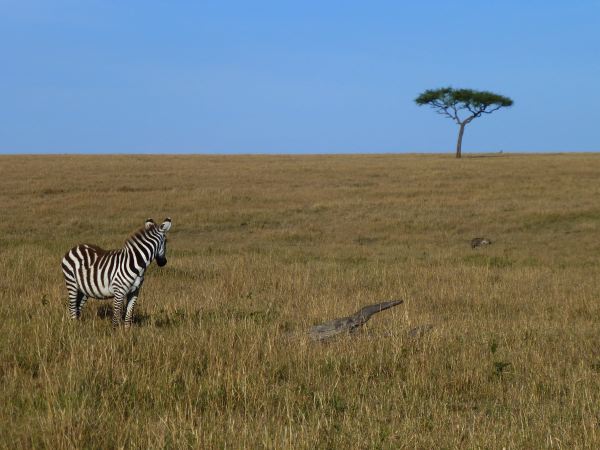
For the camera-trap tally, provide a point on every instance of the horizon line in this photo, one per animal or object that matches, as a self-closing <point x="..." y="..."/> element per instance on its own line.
<point x="317" y="153"/>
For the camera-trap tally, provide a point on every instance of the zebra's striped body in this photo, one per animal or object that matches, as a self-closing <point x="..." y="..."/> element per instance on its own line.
<point x="90" y="271"/>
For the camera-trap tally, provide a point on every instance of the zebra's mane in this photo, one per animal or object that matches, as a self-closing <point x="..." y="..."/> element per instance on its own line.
<point x="139" y="232"/>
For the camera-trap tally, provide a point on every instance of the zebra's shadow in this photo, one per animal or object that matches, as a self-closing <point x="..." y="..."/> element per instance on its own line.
<point x="105" y="312"/>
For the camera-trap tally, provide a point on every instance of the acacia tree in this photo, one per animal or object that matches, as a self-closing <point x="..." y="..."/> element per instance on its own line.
<point x="449" y="102"/>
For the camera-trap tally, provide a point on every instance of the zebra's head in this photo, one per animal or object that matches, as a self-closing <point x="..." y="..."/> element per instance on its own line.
<point x="161" y="250"/>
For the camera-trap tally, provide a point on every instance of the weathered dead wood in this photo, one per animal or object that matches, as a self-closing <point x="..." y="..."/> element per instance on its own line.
<point x="349" y="324"/>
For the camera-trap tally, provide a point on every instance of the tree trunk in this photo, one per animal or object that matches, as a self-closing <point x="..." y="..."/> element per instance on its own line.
<point x="460" y="136"/>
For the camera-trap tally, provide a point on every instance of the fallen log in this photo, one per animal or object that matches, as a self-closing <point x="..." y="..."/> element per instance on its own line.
<point x="351" y="323"/>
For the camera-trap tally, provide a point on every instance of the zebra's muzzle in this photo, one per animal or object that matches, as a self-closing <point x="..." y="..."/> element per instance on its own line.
<point x="161" y="261"/>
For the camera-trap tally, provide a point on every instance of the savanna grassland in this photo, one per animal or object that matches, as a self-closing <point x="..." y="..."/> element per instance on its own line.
<point x="263" y="247"/>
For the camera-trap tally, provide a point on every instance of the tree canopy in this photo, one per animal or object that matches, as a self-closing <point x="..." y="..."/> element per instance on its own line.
<point x="450" y="101"/>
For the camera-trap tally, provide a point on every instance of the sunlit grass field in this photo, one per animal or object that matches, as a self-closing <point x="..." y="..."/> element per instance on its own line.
<point x="263" y="247"/>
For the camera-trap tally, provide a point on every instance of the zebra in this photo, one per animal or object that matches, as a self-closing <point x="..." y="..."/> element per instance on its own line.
<point x="90" y="271"/>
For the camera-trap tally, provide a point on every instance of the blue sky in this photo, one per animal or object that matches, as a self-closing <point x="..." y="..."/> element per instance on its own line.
<point x="286" y="77"/>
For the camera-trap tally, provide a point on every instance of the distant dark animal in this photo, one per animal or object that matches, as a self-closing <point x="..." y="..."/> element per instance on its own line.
<point x="90" y="271"/>
<point x="480" y="242"/>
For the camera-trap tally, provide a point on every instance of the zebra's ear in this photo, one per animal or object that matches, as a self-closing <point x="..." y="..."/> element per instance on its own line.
<point x="148" y="224"/>
<point x="166" y="225"/>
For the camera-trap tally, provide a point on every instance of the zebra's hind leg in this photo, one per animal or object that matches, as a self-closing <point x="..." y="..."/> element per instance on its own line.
<point x="131" y="299"/>
<point x="117" y="309"/>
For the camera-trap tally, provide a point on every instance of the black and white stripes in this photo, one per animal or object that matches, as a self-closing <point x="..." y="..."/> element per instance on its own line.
<point x="93" y="272"/>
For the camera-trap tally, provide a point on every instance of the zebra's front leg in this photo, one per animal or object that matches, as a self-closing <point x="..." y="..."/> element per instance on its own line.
<point x="76" y="301"/>
<point x="117" y="309"/>
<point x="131" y="299"/>
<point x="81" y="303"/>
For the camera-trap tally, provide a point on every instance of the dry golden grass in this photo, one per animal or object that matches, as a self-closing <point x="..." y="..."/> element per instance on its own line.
<point x="262" y="247"/>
